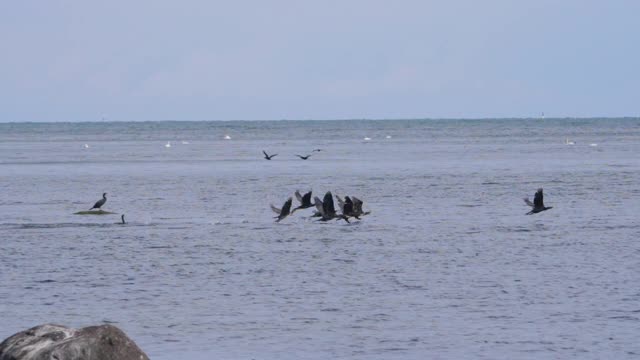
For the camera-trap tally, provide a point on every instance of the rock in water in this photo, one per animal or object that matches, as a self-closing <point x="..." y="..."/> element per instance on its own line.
<point x="48" y="341"/>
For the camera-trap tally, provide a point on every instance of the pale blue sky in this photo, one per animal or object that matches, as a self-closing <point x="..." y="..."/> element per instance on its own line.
<point x="229" y="60"/>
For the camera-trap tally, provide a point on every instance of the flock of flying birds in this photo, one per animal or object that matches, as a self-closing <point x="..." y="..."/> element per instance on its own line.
<point x="350" y="207"/>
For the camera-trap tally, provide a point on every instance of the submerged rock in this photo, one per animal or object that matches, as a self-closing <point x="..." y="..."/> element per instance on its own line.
<point x="55" y="342"/>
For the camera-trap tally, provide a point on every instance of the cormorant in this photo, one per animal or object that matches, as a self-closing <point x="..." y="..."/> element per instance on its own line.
<point x="284" y="212"/>
<point x="100" y="202"/>
<point x="303" y="157"/>
<point x="305" y="201"/>
<point x="267" y="156"/>
<point x="327" y="209"/>
<point x="122" y="217"/>
<point x="537" y="204"/>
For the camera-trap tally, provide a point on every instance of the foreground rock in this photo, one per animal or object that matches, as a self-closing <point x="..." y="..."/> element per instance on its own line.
<point x="55" y="342"/>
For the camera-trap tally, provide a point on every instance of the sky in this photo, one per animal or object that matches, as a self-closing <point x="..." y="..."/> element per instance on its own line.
<point x="333" y="59"/>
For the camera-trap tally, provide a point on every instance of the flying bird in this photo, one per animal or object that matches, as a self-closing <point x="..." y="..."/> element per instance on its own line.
<point x="305" y="201"/>
<point x="326" y="208"/>
<point x="537" y="204"/>
<point x="351" y="207"/>
<point x="285" y="211"/>
<point x="100" y="202"/>
<point x="318" y="150"/>
<point x="267" y="156"/>
<point x="303" y="157"/>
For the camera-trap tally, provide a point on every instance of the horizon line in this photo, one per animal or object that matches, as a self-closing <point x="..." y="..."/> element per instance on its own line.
<point x="335" y="119"/>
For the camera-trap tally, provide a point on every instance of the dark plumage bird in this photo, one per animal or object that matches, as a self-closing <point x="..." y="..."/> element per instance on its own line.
<point x="122" y="217"/>
<point x="318" y="150"/>
<point x="327" y="209"/>
<point x="267" y="156"/>
<point x="305" y="201"/>
<point x="284" y="212"/>
<point x="351" y="207"/>
<point x="100" y="202"/>
<point x="303" y="157"/>
<point x="537" y="204"/>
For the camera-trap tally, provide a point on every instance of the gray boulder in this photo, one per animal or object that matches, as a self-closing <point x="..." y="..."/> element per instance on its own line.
<point x="55" y="342"/>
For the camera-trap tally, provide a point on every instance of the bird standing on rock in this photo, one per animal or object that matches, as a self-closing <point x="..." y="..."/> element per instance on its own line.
<point x="100" y="202"/>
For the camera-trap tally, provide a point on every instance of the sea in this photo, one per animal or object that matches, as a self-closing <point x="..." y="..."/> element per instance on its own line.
<point x="446" y="266"/>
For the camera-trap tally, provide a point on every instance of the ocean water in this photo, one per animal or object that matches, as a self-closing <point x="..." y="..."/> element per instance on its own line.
<point x="446" y="266"/>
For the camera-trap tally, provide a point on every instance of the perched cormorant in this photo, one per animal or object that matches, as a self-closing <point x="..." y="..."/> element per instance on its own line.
<point x="303" y="157"/>
<point x="267" y="156"/>
<point x="305" y="201"/>
<point x="327" y="209"/>
<point x="537" y="204"/>
<point x="284" y="212"/>
<point x="122" y="217"/>
<point x="100" y="202"/>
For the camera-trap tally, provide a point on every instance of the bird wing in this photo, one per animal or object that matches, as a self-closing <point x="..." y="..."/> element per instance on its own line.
<point x="306" y="199"/>
<point x="340" y="203"/>
<point x="526" y="200"/>
<point x="265" y="153"/>
<point x="319" y="205"/>
<point x="276" y="210"/>
<point x="327" y="204"/>
<point x="538" y="201"/>
<point x="298" y="196"/>
<point x="357" y="204"/>
<point x="286" y="208"/>
<point x="274" y="155"/>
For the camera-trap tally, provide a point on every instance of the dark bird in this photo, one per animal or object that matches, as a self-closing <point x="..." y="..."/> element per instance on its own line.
<point x="537" y="204"/>
<point x="305" y="201"/>
<point x="267" y="156"/>
<point x="351" y="207"/>
<point x="303" y="157"/>
<point x="284" y="212"/>
<point x="122" y="222"/>
<point x="326" y="208"/>
<point x="357" y="207"/>
<point x="100" y="202"/>
<point x="318" y="150"/>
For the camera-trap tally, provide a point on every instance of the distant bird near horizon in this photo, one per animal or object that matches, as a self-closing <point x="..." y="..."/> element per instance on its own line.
<point x="122" y="217"/>
<point x="284" y="211"/>
<point x="318" y="150"/>
<point x="537" y="204"/>
<point x="100" y="202"/>
<point x="305" y="201"/>
<point x="267" y="156"/>
<point x="303" y="157"/>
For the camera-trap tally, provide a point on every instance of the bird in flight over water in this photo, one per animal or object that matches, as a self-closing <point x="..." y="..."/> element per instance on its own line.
<point x="303" y="157"/>
<point x="267" y="156"/>
<point x="285" y="211"/>
<point x="538" y="203"/>
<point x="305" y="201"/>
<point x="100" y="202"/>
<point x="327" y="209"/>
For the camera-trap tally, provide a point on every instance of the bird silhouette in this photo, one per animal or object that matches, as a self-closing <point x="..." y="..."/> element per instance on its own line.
<point x="100" y="202"/>
<point x="326" y="208"/>
<point x="285" y="211"/>
<point x="303" y="157"/>
<point x="305" y="201"/>
<point x="267" y="156"/>
<point x="537" y="204"/>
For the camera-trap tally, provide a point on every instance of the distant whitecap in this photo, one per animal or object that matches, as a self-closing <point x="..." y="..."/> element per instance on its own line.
<point x="594" y="144"/>
<point x="366" y="138"/>
<point x="227" y="137"/>
<point x="168" y="144"/>
<point x="388" y="136"/>
<point x="86" y="146"/>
